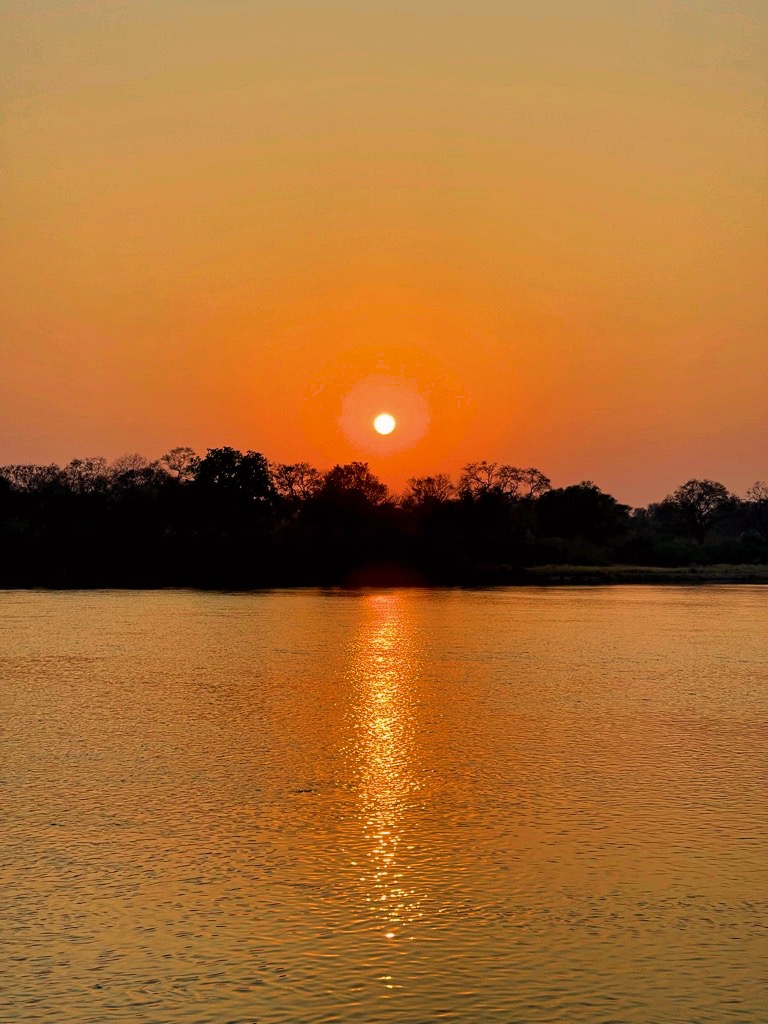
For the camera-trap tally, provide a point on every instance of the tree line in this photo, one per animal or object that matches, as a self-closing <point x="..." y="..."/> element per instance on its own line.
<point x="232" y="518"/>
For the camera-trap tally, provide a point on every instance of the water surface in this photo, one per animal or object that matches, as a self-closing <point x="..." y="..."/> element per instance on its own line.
<point x="508" y="806"/>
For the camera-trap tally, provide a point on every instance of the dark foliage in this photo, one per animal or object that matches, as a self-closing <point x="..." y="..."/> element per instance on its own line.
<point x="581" y="510"/>
<point x="232" y="519"/>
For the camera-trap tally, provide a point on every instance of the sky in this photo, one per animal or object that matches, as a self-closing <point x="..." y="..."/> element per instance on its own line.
<point x="535" y="233"/>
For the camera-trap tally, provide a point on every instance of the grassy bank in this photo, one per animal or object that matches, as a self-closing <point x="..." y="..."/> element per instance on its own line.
<point x="591" y="574"/>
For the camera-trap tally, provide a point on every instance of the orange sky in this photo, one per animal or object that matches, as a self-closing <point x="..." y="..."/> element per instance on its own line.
<point x="546" y="224"/>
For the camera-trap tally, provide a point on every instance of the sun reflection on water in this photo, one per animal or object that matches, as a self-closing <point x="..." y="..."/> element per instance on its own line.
<point x="384" y="672"/>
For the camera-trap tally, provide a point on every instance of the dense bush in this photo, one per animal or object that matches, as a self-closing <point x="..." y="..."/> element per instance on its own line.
<point x="233" y="519"/>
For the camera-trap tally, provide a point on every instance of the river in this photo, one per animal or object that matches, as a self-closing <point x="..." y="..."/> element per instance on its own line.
<point x="511" y="805"/>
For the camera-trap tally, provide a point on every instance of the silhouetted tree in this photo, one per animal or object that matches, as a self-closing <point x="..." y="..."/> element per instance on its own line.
<point x="220" y="468"/>
<point x="530" y="483"/>
<point x="131" y="462"/>
<point x="255" y="476"/>
<point x="699" y="504"/>
<point x="87" y="476"/>
<point x="235" y="474"/>
<point x="581" y="510"/>
<point x="135" y="473"/>
<point x="31" y="478"/>
<point x="182" y="463"/>
<point x="297" y="481"/>
<point x="757" y="497"/>
<point x="480" y="478"/>
<point x="428" y="490"/>
<point x="354" y="480"/>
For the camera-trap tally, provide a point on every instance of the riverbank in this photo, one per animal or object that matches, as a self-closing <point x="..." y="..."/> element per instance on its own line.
<point x="554" y="575"/>
<point x="394" y="575"/>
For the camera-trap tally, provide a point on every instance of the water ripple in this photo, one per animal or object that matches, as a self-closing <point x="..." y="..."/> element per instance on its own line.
<point x="504" y="806"/>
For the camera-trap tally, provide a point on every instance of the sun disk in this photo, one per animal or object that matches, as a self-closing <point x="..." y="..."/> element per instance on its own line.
<point x="384" y="423"/>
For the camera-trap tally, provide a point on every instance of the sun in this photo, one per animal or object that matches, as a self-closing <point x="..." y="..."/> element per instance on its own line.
<point x="384" y="423"/>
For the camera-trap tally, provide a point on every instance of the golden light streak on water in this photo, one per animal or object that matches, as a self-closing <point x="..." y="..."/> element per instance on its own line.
<point x="383" y="674"/>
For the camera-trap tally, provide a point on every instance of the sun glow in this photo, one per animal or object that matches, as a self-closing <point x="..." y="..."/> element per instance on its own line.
<point x="384" y="423"/>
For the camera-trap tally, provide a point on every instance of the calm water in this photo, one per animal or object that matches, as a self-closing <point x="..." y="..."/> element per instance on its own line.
<point x="515" y="805"/>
